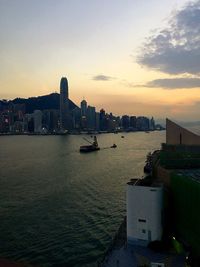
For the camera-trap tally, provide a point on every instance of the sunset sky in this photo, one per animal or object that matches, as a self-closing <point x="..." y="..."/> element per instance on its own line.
<point x="133" y="57"/>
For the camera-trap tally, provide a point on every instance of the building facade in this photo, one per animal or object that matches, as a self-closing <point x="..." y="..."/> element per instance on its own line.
<point x="177" y="135"/>
<point x="144" y="212"/>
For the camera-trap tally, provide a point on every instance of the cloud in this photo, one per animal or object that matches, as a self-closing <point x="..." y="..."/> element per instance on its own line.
<point x="174" y="83"/>
<point x="102" y="77"/>
<point x="175" y="49"/>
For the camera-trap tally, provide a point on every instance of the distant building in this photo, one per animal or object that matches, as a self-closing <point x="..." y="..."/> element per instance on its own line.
<point x="142" y="123"/>
<point x="133" y="121"/>
<point x="144" y="212"/>
<point x="91" y="118"/>
<point x="125" y="122"/>
<point x="50" y="120"/>
<point x="76" y="118"/>
<point x="83" y="108"/>
<point x="4" y="122"/>
<point x="64" y="105"/>
<point x="83" y="114"/>
<point x="97" y="121"/>
<point x="112" y="123"/>
<point x="102" y="120"/>
<point x="37" y="116"/>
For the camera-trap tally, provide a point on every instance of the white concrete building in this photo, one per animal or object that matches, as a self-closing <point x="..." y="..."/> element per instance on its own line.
<point x="144" y="212"/>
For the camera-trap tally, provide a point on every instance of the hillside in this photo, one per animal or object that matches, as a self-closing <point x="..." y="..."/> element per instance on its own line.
<point x="51" y="101"/>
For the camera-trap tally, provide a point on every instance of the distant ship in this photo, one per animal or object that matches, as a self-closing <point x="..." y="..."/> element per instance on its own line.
<point x="113" y="146"/>
<point x="90" y="148"/>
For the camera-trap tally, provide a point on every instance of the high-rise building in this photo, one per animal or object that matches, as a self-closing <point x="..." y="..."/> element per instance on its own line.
<point x="133" y="121"/>
<point x="83" y="107"/>
<point x="142" y="123"/>
<point x="125" y="122"/>
<point x="102" y="120"/>
<point x="76" y="118"/>
<point x="91" y="118"/>
<point x="83" y="114"/>
<point x="97" y="121"/>
<point x="37" y="116"/>
<point x="50" y="120"/>
<point x="64" y="105"/>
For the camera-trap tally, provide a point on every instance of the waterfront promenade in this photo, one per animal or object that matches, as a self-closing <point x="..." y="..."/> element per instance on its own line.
<point x="121" y="254"/>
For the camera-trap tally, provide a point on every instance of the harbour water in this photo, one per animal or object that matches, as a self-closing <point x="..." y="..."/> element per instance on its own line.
<point x="59" y="207"/>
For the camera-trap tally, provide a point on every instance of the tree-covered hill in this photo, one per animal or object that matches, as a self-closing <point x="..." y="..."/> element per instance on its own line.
<point x="51" y="101"/>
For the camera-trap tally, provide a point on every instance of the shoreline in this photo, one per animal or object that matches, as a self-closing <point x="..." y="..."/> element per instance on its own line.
<point x="74" y="133"/>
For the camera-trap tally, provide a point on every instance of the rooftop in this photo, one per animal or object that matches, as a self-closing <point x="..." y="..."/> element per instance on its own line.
<point x="147" y="181"/>
<point x="193" y="127"/>
<point x="193" y="174"/>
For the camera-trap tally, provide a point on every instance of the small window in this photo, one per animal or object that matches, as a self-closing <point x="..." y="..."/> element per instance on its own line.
<point x="143" y="231"/>
<point x="141" y="220"/>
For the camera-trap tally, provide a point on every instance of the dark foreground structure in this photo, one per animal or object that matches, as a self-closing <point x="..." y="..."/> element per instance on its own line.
<point x="163" y="225"/>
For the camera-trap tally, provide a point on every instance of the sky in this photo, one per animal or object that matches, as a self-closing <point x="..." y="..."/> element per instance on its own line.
<point x="132" y="57"/>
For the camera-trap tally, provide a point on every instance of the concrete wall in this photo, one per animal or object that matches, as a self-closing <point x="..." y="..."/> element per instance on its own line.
<point x="144" y="214"/>
<point x="176" y="134"/>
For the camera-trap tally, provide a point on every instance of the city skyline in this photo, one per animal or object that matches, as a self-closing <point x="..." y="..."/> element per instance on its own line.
<point x="130" y="77"/>
<point x="57" y="114"/>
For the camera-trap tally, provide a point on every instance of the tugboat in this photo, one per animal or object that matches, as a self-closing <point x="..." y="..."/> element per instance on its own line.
<point x="90" y="148"/>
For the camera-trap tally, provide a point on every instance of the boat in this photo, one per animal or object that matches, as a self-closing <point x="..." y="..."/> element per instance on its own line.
<point x="113" y="146"/>
<point x="90" y="148"/>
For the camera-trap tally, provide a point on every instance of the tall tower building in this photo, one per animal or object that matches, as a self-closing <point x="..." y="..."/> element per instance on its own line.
<point x="91" y="118"/>
<point x="83" y="114"/>
<point x="64" y="104"/>
<point x="83" y="107"/>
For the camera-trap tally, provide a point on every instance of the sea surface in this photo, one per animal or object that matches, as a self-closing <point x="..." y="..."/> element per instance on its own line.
<point x="62" y="208"/>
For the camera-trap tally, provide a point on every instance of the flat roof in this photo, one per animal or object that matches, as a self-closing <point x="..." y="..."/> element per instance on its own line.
<point x="193" y="174"/>
<point x="146" y="181"/>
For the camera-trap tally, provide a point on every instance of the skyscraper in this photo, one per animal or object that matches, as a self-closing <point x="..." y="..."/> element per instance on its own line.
<point x="91" y="118"/>
<point x="83" y="107"/>
<point x="64" y="104"/>
<point x="83" y="114"/>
